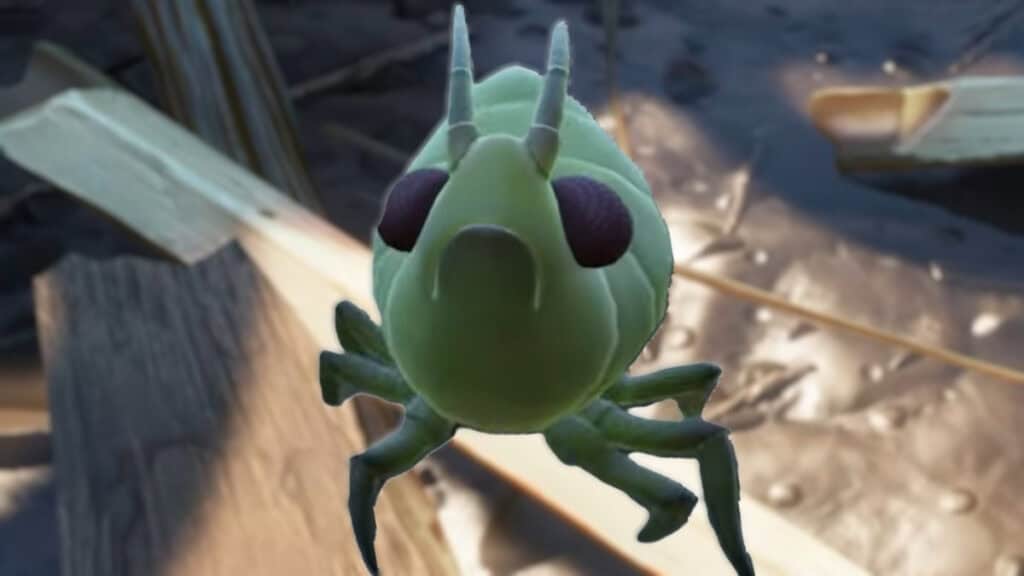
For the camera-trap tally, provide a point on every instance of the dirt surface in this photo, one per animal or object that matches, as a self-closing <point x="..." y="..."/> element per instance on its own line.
<point x="901" y="463"/>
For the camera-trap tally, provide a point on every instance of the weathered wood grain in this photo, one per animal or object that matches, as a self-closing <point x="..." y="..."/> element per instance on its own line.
<point x="189" y="433"/>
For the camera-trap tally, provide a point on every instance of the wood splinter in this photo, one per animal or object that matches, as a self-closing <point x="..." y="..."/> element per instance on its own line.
<point x="968" y="121"/>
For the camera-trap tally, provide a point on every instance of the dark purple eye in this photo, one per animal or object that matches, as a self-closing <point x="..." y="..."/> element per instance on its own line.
<point x="408" y="205"/>
<point x="597" y="223"/>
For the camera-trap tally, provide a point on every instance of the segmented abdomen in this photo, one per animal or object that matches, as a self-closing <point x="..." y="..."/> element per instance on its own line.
<point x="504" y="102"/>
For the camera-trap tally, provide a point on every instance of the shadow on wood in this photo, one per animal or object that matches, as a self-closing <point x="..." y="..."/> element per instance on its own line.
<point x="28" y="531"/>
<point x="189" y="435"/>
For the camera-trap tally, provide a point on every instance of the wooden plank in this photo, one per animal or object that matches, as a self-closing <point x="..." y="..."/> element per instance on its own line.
<point x="189" y="433"/>
<point x="314" y="265"/>
<point x="967" y="121"/>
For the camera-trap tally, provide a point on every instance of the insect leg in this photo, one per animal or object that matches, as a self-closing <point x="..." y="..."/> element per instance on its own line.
<point x="422" y="431"/>
<point x="576" y="442"/>
<point x="688" y="385"/>
<point x="358" y="334"/>
<point x="345" y="375"/>
<point x="688" y="438"/>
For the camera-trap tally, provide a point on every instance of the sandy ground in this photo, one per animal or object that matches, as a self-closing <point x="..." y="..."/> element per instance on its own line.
<point x="713" y="89"/>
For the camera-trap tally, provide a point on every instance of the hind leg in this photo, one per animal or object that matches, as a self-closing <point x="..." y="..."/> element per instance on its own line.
<point x="688" y="385"/>
<point x="576" y="442"/>
<point x="421" y="432"/>
<point x="689" y="438"/>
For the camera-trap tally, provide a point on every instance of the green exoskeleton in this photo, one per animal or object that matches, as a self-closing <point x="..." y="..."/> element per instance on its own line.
<point x="520" y="266"/>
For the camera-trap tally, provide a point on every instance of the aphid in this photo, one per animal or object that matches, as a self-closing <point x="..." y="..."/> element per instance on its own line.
<point x="520" y="266"/>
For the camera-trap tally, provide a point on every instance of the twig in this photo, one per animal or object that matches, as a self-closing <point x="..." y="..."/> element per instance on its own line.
<point x="750" y="293"/>
<point x="997" y="26"/>
<point x="367" y="143"/>
<point x="8" y="203"/>
<point x="218" y="76"/>
<point x="740" y="189"/>
<point x="611" y="31"/>
<point x="369" y="65"/>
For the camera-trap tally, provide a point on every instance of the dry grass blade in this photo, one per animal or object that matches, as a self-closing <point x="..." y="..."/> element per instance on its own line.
<point x="996" y="27"/>
<point x="363" y="142"/>
<point x="369" y="65"/>
<point x="752" y="294"/>
<point x="218" y="76"/>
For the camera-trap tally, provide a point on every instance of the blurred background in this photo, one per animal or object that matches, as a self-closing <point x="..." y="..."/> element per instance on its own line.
<point x="903" y="464"/>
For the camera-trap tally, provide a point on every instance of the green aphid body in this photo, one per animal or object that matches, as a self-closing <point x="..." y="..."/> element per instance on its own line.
<point x="520" y="266"/>
<point x="476" y="354"/>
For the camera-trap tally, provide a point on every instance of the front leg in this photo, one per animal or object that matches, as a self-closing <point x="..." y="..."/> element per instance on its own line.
<point x="358" y="334"/>
<point x="345" y="375"/>
<point x="689" y="385"/>
<point x="422" y="431"/>
<point x="366" y="367"/>
<point x="576" y="442"/>
<point x="689" y="438"/>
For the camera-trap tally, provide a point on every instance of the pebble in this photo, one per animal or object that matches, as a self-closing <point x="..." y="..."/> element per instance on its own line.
<point x="950" y="394"/>
<point x="759" y="257"/>
<point x="801" y="329"/>
<point x="936" y="271"/>
<point x="842" y="250"/>
<point x="427" y="475"/>
<point x="1009" y="565"/>
<point x="822" y="58"/>
<point x="889" y="67"/>
<point x="957" y="501"/>
<point x="887" y="418"/>
<point x="723" y="202"/>
<point x="679" y="337"/>
<point x="890" y="262"/>
<point x="687" y="80"/>
<point x="902" y="359"/>
<point x="763" y="315"/>
<point x="700" y="187"/>
<point x="647" y="354"/>
<point x="985" y="324"/>
<point x="784" y="494"/>
<point x="875" y="373"/>
<point x="606" y="121"/>
<point x="645" y="150"/>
